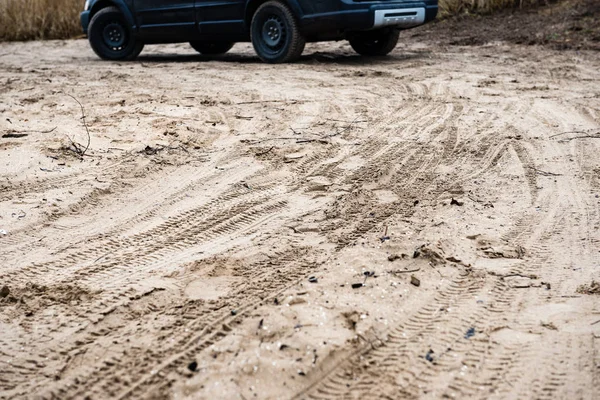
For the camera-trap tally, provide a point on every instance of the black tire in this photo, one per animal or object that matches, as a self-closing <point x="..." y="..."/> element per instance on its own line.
<point x="375" y="43"/>
<point x="275" y="34"/>
<point x="111" y="36"/>
<point x="211" y="48"/>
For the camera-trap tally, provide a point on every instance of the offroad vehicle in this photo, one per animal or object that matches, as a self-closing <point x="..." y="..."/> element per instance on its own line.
<point x="278" y="29"/>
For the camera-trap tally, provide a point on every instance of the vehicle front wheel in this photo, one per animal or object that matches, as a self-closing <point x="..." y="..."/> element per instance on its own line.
<point x="275" y="34"/>
<point x="111" y="37"/>
<point x="211" y="48"/>
<point x="375" y="43"/>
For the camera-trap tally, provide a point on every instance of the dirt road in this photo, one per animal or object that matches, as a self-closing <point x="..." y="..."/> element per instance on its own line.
<point x="426" y="226"/>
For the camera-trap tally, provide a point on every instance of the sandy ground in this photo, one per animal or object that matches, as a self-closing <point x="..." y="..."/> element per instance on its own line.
<point x="423" y="226"/>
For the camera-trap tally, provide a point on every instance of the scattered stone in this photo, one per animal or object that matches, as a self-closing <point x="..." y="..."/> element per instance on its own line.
<point x="150" y="151"/>
<point x="3" y="232"/>
<point x="4" y="292"/>
<point x="394" y="257"/>
<point x="313" y="279"/>
<point x="193" y="366"/>
<point x="455" y="202"/>
<point x="357" y="285"/>
<point x="470" y="333"/>
<point x="301" y="373"/>
<point x="415" y="281"/>
<point x="417" y="253"/>
<point x="233" y="312"/>
<point x="429" y="356"/>
<point x="547" y="284"/>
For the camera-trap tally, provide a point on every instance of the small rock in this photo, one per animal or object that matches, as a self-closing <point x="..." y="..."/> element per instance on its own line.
<point x="4" y="292"/>
<point x="3" y="232"/>
<point x="295" y="300"/>
<point x="470" y="333"/>
<point x="394" y="257"/>
<point x="313" y="279"/>
<point x="193" y="366"/>
<point x="429" y="356"/>
<point x="415" y="281"/>
<point x="357" y="285"/>
<point x="455" y="202"/>
<point x="233" y="312"/>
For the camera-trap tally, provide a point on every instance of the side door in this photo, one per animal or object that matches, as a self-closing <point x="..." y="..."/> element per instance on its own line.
<point x="165" y="20"/>
<point x="223" y="17"/>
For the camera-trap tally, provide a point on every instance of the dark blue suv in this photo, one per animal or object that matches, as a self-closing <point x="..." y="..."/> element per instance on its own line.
<point x="278" y="29"/>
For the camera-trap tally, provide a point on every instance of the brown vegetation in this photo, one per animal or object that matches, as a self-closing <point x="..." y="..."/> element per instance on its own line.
<point x="454" y="7"/>
<point x="39" y="19"/>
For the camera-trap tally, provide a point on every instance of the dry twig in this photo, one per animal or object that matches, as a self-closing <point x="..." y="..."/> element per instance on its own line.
<point x="78" y="148"/>
<point x="404" y="272"/>
<point x="581" y="137"/>
<point x="262" y="153"/>
<point x="539" y="171"/>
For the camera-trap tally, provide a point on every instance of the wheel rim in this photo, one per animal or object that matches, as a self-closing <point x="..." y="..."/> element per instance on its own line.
<point x="114" y="36"/>
<point x="273" y="33"/>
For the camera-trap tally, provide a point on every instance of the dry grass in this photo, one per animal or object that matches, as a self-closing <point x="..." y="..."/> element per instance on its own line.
<point x="39" y="19"/>
<point x="59" y="19"/>
<point x="454" y="7"/>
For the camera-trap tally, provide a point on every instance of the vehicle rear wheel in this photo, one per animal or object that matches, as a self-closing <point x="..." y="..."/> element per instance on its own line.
<point x="275" y="34"/>
<point x="211" y="48"/>
<point x="111" y="37"/>
<point x="375" y="43"/>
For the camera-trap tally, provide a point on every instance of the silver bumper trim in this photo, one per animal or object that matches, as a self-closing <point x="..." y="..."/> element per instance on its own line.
<point x="401" y="17"/>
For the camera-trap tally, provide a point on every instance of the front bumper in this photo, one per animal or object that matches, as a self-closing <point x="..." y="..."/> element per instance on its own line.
<point x="361" y="16"/>
<point x="84" y="17"/>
